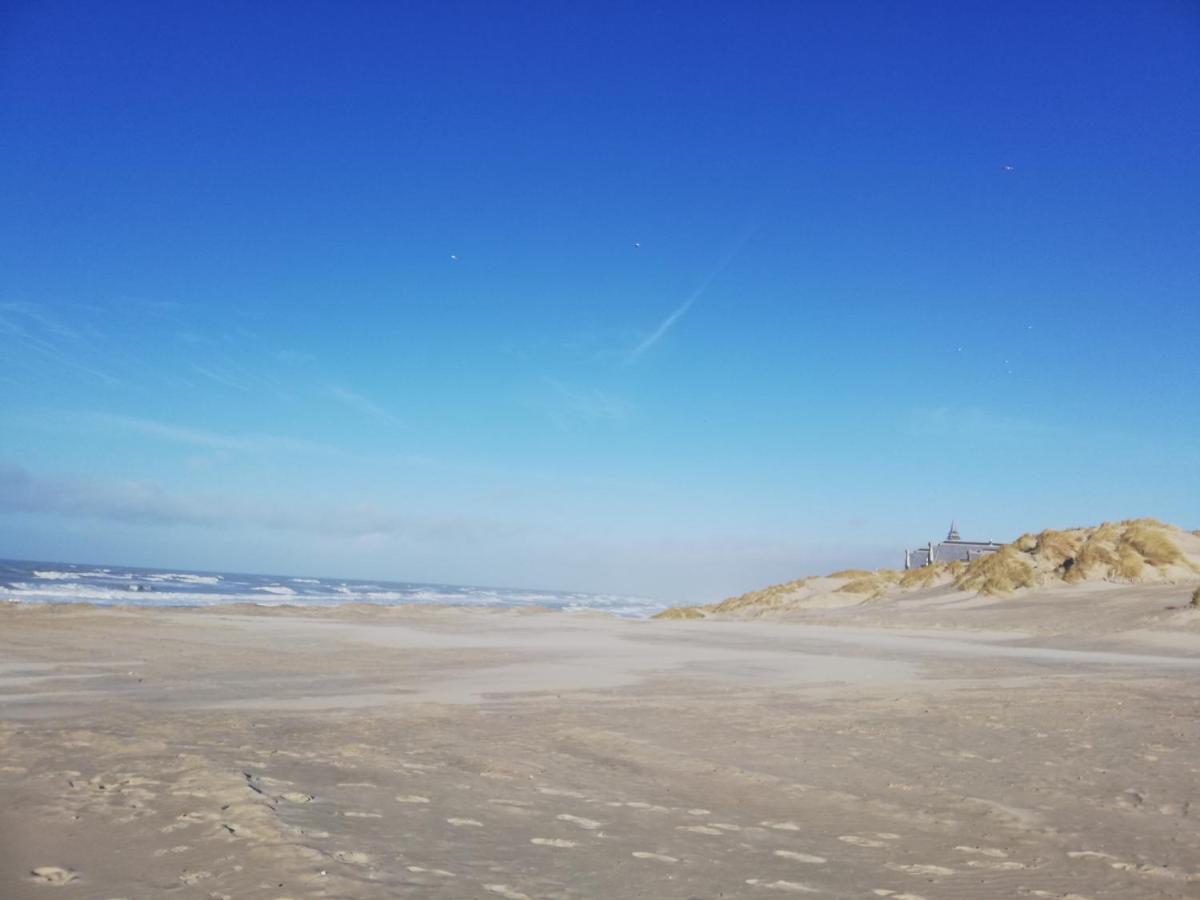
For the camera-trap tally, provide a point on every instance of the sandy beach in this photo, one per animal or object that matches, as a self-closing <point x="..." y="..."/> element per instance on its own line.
<point x="365" y="753"/>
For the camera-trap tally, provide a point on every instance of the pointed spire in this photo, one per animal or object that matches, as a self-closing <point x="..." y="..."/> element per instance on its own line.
<point x="953" y="535"/>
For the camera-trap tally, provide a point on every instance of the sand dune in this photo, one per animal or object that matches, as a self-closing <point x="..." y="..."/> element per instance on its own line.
<point x="1135" y="552"/>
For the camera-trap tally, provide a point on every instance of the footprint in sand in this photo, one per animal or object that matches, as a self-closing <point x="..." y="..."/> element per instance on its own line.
<point x="412" y="798"/>
<point x="1007" y="865"/>
<point x="699" y="829"/>
<point x="52" y="875"/>
<point x="800" y="857"/>
<point x="194" y="877"/>
<point x="558" y="792"/>
<point x="589" y="824"/>
<point x="423" y="870"/>
<point x="553" y="842"/>
<point x="660" y="857"/>
<point x="699" y="812"/>
<point x="506" y="892"/>
<point x="197" y="817"/>
<point x="418" y="767"/>
<point x="353" y="857"/>
<point x="994" y="852"/>
<point x="297" y="797"/>
<point x="354" y="814"/>
<point x="793" y="887"/>
<point x="860" y="841"/>
<point x="921" y="869"/>
<point x="465" y="823"/>
<point x="781" y="826"/>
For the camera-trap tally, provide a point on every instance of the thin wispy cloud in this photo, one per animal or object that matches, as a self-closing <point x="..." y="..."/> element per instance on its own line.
<point x="94" y="421"/>
<point x="38" y="331"/>
<point x="585" y="404"/>
<point x="219" y="377"/>
<point x="360" y="404"/>
<point x="679" y="312"/>
<point x="967" y="422"/>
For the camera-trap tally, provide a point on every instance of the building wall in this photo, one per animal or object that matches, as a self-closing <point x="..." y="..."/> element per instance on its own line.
<point x="948" y="551"/>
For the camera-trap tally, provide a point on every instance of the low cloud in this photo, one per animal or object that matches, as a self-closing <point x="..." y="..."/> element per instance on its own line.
<point x="148" y="503"/>
<point x="122" y="501"/>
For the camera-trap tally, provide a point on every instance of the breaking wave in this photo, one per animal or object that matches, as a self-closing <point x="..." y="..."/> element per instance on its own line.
<point x="22" y="582"/>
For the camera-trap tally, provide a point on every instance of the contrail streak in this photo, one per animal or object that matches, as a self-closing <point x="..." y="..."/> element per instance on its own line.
<point x="665" y="325"/>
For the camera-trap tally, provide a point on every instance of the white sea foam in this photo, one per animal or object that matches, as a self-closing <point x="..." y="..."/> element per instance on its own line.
<point x="107" y="596"/>
<point x="55" y="575"/>
<point x="183" y="578"/>
<point x="163" y="588"/>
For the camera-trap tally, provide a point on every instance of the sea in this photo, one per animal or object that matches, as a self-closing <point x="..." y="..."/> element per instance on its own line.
<point x="47" y="582"/>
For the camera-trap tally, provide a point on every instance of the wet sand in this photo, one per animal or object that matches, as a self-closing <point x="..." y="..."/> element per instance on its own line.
<point x="464" y="754"/>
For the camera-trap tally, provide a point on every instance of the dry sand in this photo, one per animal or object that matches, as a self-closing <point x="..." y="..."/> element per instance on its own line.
<point x="462" y="754"/>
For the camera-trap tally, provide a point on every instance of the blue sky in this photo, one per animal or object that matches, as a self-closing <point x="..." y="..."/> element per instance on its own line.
<point x="665" y="299"/>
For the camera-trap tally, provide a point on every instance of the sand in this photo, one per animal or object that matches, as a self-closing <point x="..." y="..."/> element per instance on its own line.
<point x="363" y="753"/>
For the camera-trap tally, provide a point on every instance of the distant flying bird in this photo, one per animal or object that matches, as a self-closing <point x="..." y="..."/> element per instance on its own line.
<point x="453" y="258"/>
<point x="637" y="243"/>
<point x="1007" y="168"/>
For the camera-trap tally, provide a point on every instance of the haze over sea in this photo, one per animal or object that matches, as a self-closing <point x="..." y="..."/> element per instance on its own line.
<point x="55" y="582"/>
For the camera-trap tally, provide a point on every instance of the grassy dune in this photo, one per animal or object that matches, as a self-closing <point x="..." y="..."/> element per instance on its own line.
<point x="1136" y="551"/>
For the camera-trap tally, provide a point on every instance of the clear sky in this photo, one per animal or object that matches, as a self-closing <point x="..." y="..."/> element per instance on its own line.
<point x="667" y="299"/>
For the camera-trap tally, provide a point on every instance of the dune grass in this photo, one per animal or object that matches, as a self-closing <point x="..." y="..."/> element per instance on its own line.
<point x="923" y="577"/>
<point x="772" y="596"/>
<point x="1055" y="547"/>
<point x="681" y="612"/>
<point x="869" y="585"/>
<point x="1151" y="540"/>
<point x="997" y="573"/>
<point x="1124" y="551"/>
<point x="1196" y="598"/>
<point x="1130" y="564"/>
<point x="851" y="573"/>
<point x="1093" y="557"/>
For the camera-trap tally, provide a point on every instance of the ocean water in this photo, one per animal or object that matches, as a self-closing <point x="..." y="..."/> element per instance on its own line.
<point x="45" y="582"/>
